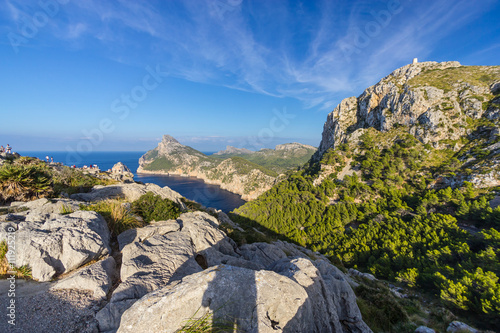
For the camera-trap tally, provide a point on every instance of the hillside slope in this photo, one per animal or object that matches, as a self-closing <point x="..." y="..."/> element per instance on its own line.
<point x="235" y="170"/>
<point x="280" y="159"/>
<point x="401" y="187"/>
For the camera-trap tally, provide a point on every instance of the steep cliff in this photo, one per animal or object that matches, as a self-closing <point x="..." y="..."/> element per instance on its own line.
<point x="237" y="170"/>
<point x="404" y="186"/>
<point x="446" y="105"/>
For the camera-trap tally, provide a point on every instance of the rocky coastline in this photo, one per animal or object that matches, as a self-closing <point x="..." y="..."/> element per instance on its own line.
<point x="162" y="275"/>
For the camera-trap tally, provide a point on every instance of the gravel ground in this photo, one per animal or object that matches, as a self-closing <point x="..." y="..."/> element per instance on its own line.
<point x="48" y="311"/>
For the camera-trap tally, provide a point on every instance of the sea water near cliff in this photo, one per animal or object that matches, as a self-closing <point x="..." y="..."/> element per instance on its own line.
<point x="190" y="187"/>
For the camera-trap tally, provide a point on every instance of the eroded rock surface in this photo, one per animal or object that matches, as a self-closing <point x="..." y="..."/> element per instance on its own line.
<point x="172" y="269"/>
<point x="53" y="244"/>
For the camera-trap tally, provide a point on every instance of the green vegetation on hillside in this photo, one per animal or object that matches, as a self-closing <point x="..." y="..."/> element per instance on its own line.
<point x="160" y="163"/>
<point x="278" y="161"/>
<point x="243" y="166"/>
<point x="445" y="78"/>
<point x="269" y="161"/>
<point x="386" y="218"/>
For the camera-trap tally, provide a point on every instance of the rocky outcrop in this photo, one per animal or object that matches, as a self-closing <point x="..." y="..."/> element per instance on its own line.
<point x="122" y="173"/>
<point x="434" y="100"/>
<point x="54" y="244"/>
<point x="8" y="157"/>
<point x="444" y="105"/>
<point x="130" y="192"/>
<point x="170" y="271"/>
<point x="191" y="261"/>
<point x="268" y="303"/>
<point x="45" y="207"/>
<point x="459" y="327"/>
<point x="97" y="278"/>
<point x="424" y="329"/>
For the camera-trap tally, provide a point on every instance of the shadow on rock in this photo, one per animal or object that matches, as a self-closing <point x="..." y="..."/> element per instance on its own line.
<point x="196" y="275"/>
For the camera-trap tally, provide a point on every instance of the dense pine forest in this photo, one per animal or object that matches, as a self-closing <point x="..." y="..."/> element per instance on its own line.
<point x="391" y="206"/>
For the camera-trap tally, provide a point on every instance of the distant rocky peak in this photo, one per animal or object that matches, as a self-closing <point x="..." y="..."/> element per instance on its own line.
<point x="168" y="139"/>
<point x="234" y="150"/>
<point x="293" y="146"/>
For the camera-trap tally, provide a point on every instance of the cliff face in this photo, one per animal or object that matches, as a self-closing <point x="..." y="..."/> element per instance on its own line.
<point x="443" y="104"/>
<point x="228" y="169"/>
<point x="437" y="101"/>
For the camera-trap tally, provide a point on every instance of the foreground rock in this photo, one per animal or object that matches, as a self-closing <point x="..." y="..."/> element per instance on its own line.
<point x="97" y="278"/>
<point x="162" y="252"/>
<point x="173" y="270"/>
<point x="55" y="244"/>
<point x="268" y="302"/>
<point x="128" y="192"/>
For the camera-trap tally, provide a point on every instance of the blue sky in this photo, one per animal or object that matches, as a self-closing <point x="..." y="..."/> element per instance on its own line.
<point x="94" y="75"/>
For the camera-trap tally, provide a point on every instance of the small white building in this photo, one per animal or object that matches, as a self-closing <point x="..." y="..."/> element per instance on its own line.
<point x="415" y="60"/>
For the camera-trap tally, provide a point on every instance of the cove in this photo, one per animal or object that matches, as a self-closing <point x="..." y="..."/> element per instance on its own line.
<point x="197" y="190"/>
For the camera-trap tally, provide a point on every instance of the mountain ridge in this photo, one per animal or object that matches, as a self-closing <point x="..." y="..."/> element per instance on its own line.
<point x="235" y="170"/>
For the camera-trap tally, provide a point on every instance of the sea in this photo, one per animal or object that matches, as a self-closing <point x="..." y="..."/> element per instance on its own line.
<point x="190" y="187"/>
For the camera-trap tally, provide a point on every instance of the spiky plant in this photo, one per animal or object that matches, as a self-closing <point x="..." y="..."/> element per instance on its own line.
<point x="23" y="183"/>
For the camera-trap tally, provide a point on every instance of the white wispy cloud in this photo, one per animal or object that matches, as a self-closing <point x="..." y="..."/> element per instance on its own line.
<point x="256" y="46"/>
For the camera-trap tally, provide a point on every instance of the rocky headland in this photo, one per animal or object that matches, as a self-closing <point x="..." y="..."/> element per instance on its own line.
<point x="240" y="171"/>
<point x="445" y="105"/>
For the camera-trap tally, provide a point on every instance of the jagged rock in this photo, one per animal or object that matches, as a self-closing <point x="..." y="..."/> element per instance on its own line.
<point x="122" y="173"/>
<point x="431" y="114"/>
<point x="424" y="329"/>
<point x="161" y="258"/>
<point x="223" y="218"/>
<point x="45" y="207"/>
<point x="129" y="192"/>
<point x="59" y="243"/>
<point x="459" y="327"/>
<point x="8" y="157"/>
<point x="368" y="276"/>
<point x="267" y="303"/>
<point x="493" y="111"/>
<point x="323" y="282"/>
<point x="163" y="252"/>
<point x="337" y="122"/>
<point x="495" y="87"/>
<point x="97" y="277"/>
<point x="262" y="254"/>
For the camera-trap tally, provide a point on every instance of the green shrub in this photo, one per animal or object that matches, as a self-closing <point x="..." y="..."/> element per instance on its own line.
<point x="154" y="208"/>
<point x="379" y="309"/>
<point x="24" y="182"/>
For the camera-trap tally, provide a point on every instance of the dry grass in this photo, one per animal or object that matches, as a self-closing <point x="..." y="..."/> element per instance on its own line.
<point x="23" y="272"/>
<point x="117" y="215"/>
